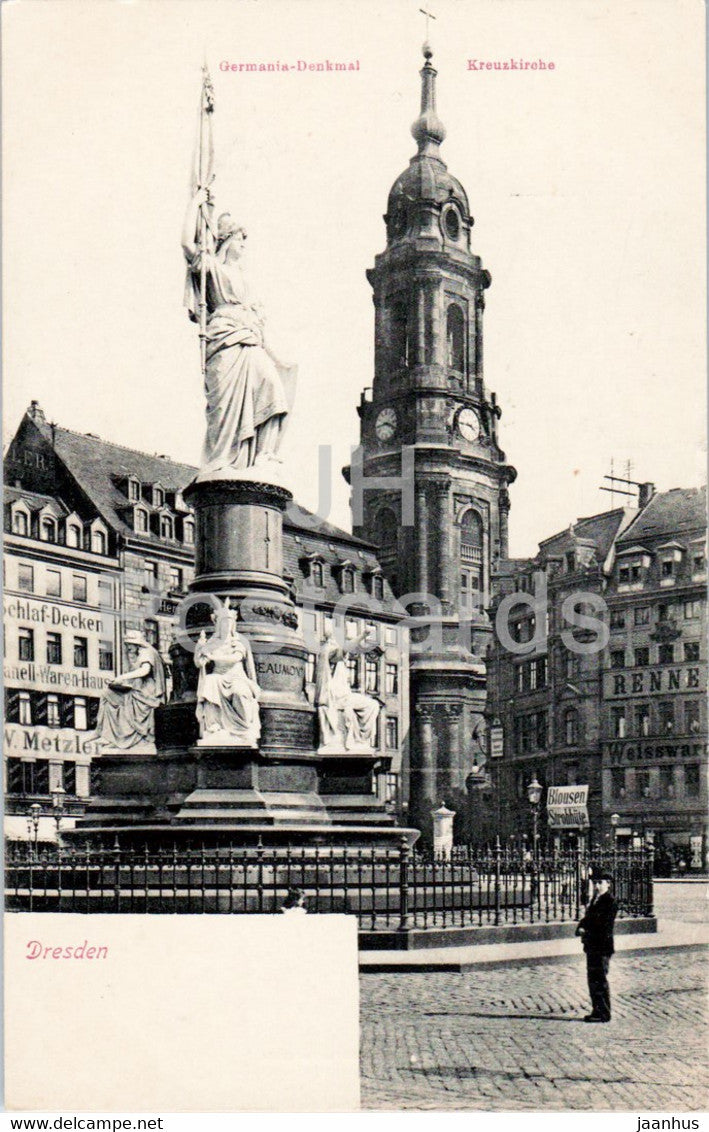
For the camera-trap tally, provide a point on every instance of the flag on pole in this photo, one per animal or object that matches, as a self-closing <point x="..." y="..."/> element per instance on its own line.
<point x="203" y="161"/>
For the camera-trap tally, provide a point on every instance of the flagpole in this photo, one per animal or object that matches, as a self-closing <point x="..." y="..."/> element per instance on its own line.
<point x="207" y="107"/>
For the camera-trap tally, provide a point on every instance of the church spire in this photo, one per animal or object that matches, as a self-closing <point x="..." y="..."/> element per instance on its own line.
<point x="428" y="130"/>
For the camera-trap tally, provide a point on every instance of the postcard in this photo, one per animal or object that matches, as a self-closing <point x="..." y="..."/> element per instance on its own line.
<point x="354" y="559"/>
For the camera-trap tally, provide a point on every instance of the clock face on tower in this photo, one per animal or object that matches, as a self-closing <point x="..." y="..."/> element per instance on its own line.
<point x="468" y="424"/>
<point x="385" y="425"/>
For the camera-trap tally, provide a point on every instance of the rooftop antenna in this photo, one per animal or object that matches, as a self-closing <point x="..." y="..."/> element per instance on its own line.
<point x="632" y="487"/>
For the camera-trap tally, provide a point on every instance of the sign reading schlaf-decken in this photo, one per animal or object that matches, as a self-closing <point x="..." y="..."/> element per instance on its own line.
<point x="567" y="807"/>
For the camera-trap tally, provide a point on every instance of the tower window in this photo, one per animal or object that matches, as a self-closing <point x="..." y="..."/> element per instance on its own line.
<point x="471" y="553"/>
<point x="452" y="224"/>
<point x="399" y="333"/>
<point x="455" y="336"/>
<point x="387" y="535"/>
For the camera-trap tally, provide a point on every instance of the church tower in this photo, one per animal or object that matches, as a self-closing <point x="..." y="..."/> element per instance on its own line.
<point x="430" y="421"/>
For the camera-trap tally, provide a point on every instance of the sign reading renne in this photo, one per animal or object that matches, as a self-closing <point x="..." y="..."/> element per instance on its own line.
<point x="567" y="807"/>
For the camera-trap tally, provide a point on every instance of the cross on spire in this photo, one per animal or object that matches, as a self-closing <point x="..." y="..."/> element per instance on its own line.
<point x="429" y="16"/>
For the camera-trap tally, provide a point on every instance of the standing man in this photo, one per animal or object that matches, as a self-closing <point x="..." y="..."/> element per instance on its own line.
<point x="596" y="931"/>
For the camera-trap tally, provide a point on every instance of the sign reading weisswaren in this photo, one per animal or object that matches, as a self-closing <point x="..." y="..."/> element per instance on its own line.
<point x="567" y="807"/>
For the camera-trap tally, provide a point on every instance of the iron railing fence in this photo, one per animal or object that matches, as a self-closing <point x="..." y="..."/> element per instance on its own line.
<point x="387" y="889"/>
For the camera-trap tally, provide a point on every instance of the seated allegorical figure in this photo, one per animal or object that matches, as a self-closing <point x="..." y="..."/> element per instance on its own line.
<point x="348" y="719"/>
<point x="126" y="716"/>
<point x="227" y="689"/>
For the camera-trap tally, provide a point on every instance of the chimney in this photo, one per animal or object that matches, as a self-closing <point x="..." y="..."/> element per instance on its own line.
<point x="645" y="494"/>
<point x="36" y="412"/>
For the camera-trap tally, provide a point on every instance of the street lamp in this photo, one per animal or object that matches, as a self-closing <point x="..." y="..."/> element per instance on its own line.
<point x="58" y="795"/>
<point x="33" y="815"/>
<point x="534" y="793"/>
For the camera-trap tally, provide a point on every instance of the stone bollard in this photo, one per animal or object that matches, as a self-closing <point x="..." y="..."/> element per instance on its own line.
<point x="442" y="830"/>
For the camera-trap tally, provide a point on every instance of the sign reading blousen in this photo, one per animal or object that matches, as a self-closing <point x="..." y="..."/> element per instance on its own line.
<point x="567" y="807"/>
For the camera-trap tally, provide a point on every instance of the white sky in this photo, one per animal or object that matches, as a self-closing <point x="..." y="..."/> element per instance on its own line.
<point x="586" y="184"/>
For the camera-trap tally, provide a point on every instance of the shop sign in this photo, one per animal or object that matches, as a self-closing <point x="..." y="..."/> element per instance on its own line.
<point x="567" y="807"/>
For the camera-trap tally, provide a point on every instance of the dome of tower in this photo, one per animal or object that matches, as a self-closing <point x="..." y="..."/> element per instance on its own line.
<point x="426" y="182"/>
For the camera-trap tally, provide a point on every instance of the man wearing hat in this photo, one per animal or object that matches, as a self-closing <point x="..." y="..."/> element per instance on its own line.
<point x="596" y="931"/>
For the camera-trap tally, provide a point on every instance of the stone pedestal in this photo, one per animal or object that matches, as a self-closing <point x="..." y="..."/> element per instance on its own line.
<point x="201" y="791"/>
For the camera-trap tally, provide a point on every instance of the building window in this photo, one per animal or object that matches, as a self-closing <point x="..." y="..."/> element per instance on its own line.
<point x="642" y="615"/>
<point x="519" y="677"/>
<point x="666" y="716"/>
<point x="158" y="496"/>
<point x="48" y="530"/>
<point x="666" y="654"/>
<point x="642" y="657"/>
<point x="668" y="568"/>
<point x="151" y="575"/>
<point x="691" y="780"/>
<point x="98" y="542"/>
<point x="636" y="573"/>
<point x="25" y="578"/>
<point x="176" y="578"/>
<point x="81" y="720"/>
<point x="54" y="648"/>
<point x="663" y="613"/>
<point x="471" y="547"/>
<point x="141" y="521"/>
<point x="571" y="727"/>
<point x="20" y="524"/>
<point x="642" y="720"/>
<point x="316" y="574"/>
<point x="78" y="587"/>
<point x="642" y="783"/>
<point x="618" y="722"/>
<point x="25" y="644"/>
<point x="667" y="784"/>
<point x="378" y="587"/>
<point x="53" y="714"/>
<point x="371" y="674"/>
<point x="618" y="658"/>
<point x="69" y="778"/>
<point x="540" y="729"/>
<point x="81" y="652"/>
<point x="617" y="783"/>
<point x="691" y="650"/>
<point x="455" y="337"/>
<point x="188" y="532"/>
<point x="623" y="575"/>
<point x="390" y="635"/>
<point x="692" y="609"/>
<point x="572" y="774"/>
<point x="53" y="583"/>
<point x="392" y="732"/>
<point x="166" y="527"/>
<point x="348" y="580"/>
<point x="73" y="535"/>
<point x="541" y="671"/>
<point x="392" y="679"/>
<point x="150" y="628"/>
<point x="352" y="666"/>
<point x="691" y="717"/>
<point x="105" y="594"/>
<point x="105" y="656"/>
<point x="533" y="676"/>
<point x="25" y="709"/>
<point x="698" y="564"/>
<point x="133" y="491"/>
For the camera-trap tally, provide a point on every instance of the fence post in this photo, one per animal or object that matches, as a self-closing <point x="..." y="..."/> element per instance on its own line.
<point x="116" y="876"/>
<point x="648" y="876"/>
<point x="498" y="855"/>
<point x="579" y="875"/>
<point x="404" y="854"/>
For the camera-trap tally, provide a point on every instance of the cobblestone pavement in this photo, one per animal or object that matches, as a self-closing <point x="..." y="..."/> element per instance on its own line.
<point x="511" y="1039"/>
